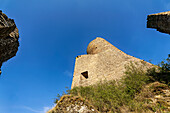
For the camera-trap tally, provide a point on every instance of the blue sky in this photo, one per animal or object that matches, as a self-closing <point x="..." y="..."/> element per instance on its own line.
<point x="54" y="32"/>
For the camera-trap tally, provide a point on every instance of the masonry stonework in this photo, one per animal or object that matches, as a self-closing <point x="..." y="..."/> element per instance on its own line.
<point x="102" y="62"/>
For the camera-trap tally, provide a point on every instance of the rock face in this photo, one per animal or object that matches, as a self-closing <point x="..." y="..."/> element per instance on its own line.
<point x="102" y="62"/>
<point x="73" y="104"/>
<point x="8" y="38"/>
<point x="159" y="21"/>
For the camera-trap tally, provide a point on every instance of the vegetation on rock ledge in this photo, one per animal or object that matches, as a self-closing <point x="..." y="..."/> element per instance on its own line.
<point x="138" y="91"/>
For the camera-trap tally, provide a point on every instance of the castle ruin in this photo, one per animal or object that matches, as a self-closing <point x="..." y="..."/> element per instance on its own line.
<point x="159" y="21"/>
<point x="103" y="61"/>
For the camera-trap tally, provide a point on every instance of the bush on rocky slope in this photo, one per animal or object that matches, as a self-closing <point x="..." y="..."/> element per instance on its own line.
<point x="138" y="91"/>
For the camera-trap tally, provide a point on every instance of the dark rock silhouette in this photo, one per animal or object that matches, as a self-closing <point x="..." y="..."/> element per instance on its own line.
<point x="8" y="38"/>
<point x="159" y="21"/>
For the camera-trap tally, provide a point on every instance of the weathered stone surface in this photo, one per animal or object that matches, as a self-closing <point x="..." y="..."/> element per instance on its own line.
<point x="159" y="21"/>
<point x="73" y="104"/>
<point x="154" y="95"/>
<point x="8" y="38"/>
<point x="102" y="62"/>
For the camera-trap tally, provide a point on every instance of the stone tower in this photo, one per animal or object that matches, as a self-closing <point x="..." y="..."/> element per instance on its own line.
<point x="102" y="62"/>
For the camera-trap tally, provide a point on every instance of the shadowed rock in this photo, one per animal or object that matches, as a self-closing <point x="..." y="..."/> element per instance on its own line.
<point x="159" y="21"/>
<point x="8" y="38"/>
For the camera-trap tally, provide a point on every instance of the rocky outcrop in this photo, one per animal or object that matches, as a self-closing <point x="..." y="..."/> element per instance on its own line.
<point x="156" y="97"/>
<point x="159" y="21"/>
<point x="8" y="38"/>
<point x="73" y="104"/>
<point x="153" y="98"/>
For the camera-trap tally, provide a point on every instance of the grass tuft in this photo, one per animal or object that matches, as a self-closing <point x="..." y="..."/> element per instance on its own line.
<point x="128" y="94"/>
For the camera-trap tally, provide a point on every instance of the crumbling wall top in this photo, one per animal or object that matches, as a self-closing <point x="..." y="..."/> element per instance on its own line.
<point x="159" y="21"/>
<point x="98" y="45"/>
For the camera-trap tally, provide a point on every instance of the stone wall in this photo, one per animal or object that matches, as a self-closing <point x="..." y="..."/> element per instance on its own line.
<point x="103" y="62"/>
<point x="159" y="21"/>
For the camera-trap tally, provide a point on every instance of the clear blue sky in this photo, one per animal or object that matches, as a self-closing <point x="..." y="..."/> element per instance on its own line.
<point x="54" y="32"/>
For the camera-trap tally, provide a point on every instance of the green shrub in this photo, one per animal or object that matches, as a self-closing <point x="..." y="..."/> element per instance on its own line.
<point x="112" y="95"/>
<point x="162" y="74"/>
<point x="134" y="80"/>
